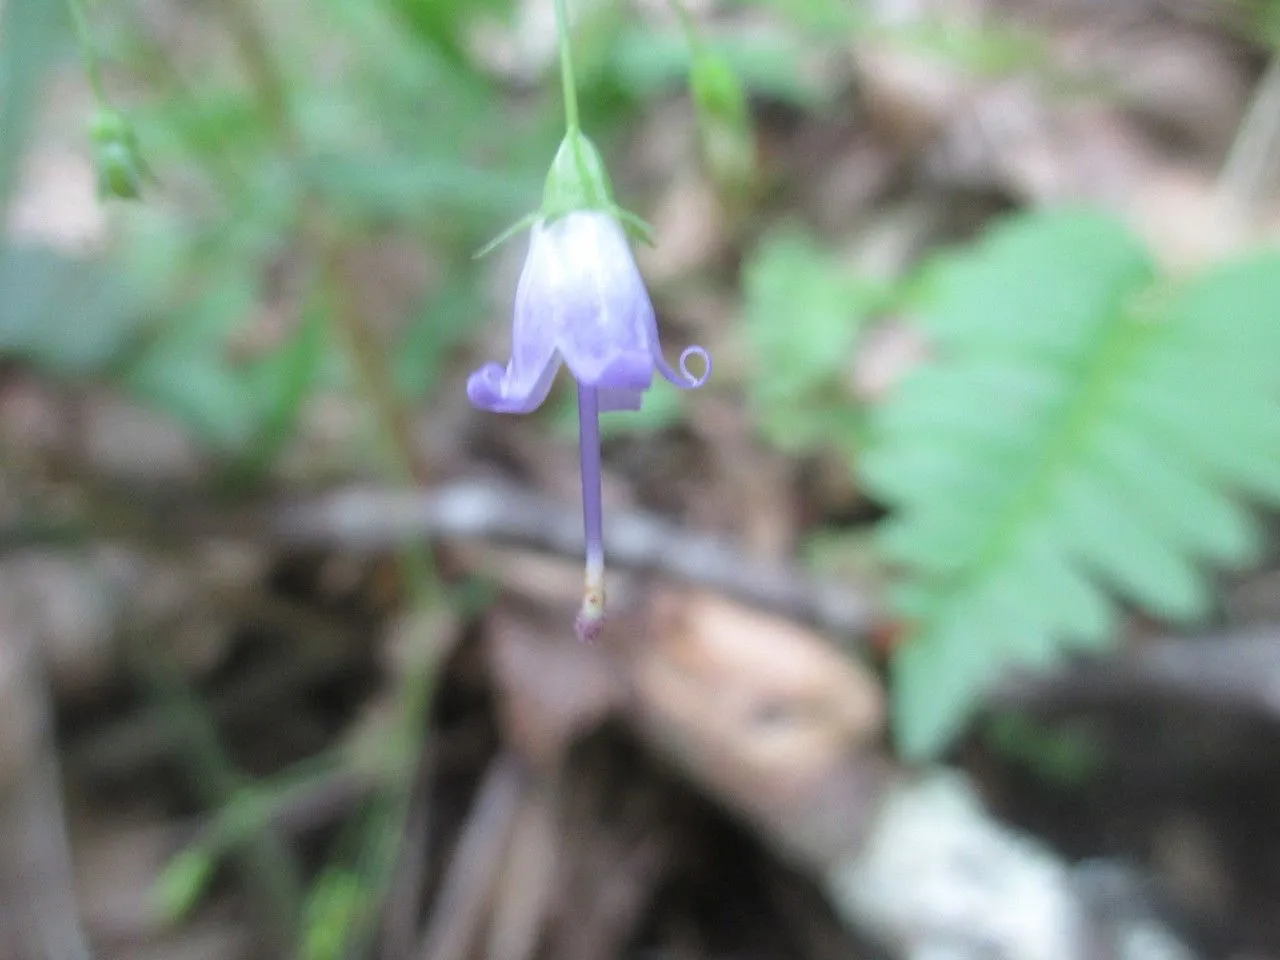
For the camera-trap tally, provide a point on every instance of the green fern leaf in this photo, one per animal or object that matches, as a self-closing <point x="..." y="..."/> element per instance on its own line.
<point x="1084" y="434"/>
<point x="803" y="316"/>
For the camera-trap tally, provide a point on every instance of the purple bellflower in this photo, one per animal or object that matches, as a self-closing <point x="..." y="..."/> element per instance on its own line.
<point x="582" y="303"/>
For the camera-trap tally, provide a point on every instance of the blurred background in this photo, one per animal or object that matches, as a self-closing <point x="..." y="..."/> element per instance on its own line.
<point x="945" y="620"/>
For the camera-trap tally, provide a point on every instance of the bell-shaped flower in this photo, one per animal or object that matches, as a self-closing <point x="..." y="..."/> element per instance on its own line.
<point x="581" y="303"/>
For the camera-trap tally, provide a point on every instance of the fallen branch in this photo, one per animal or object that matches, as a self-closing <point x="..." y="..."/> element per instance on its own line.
<point x="378" y="518"/>
<point x="1235" y="669"/>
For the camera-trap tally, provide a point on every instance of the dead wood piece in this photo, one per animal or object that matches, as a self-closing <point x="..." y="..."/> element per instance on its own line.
<point x="551" y="689"/>
<point x="39" y="919"/>
<point x="529" y="881"/>
<point x="939" y="877"/>
<point x="776" y="723"/>
<point x="469" y="883"/>
<point x="754" y="711"/>
<point x="622" y="822"/>
<point x="373" y="519"/>
<point x="1236" y="670"/>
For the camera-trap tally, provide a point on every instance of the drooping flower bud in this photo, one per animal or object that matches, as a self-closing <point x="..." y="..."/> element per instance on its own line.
<point x="581" y="303"/>
<point x="121" y="168"/>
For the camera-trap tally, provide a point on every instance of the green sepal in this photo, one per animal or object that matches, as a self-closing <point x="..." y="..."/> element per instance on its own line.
<point x="635" y="226"/>
<point x="524" y="223"/>
<point x="577" y="179"/>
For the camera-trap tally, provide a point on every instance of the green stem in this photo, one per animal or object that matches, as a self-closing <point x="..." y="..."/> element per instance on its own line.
<point x="268" y="862"/>
<point x="270" y="84"/>
<point x="390" y="813"/>
<point x="687" y="24"/>
<point x="84" y="36"/>
<point x="566" y="69"/>
<point x="1249" y="168"/>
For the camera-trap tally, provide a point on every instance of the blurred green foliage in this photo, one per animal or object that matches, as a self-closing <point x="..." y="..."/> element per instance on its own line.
<point x="182" y="883"/>
<point x="63" y="315"/>
<point x="1084" y="433"/>
<point x="337" y="901"/>
<point x="803" y="313"/>
<point x="1088" y="431"/>
<point x="32" y="34"/>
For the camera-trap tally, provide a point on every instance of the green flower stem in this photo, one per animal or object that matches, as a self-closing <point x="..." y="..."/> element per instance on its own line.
<point x="566" y="69"/>
<point x="271" y="86"/>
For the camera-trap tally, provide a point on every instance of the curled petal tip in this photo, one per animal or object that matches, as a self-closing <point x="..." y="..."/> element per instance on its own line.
<point x="484" y="387"/>
<point x="684" y="378"/>
<point x="692" y="380"/>
<point x="498" y="390"/>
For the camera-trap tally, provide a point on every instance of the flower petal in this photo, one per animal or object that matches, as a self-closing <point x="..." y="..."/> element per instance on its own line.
<point x="685" y="379"/>
<point x="603" y="310"/>
<point x="513" y="390"/>
<point x="526" y="381"/>
<point x="614" y="399"/>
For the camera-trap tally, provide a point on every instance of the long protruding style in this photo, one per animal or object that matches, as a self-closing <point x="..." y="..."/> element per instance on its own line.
<point x="590" y="619"/>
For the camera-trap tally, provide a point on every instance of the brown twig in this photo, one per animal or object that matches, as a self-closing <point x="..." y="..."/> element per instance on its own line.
<point x="473" y="868"/>
<point x="1239" y="669"/>
<point x="379" y="518"/>
<point x="1232" y="669"/>
<point x="492" y="511"/>
<point x="400" y="914"/>
<point x="39" y="918"/>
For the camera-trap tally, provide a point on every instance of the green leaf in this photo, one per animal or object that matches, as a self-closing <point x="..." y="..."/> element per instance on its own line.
<point x="1068" y="756"/>
<point x="282" y="382"/>
<point x="443" y="321"/>
<point x="31" y="35"/>
<point x="938" y="677"/>
<point x="192" y="384"/>
<point x="64" y="315"/>
<point x="1082" y="431"/>
<point x="804" y="314"/>
<point x="389" y="186"/>
<point x="645" y="63"/>
<point x="182" y="883"/>
<point x="1106" y="534"/>
<point x="336" y="902"/>
<point x="1038" y="289"/>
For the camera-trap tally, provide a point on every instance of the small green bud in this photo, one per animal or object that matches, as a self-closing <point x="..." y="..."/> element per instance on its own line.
<point x="116" y="156"/>
<point x="717" y="91"/>
<point x="724" y="122"/>
<point x="577" y="179"/>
